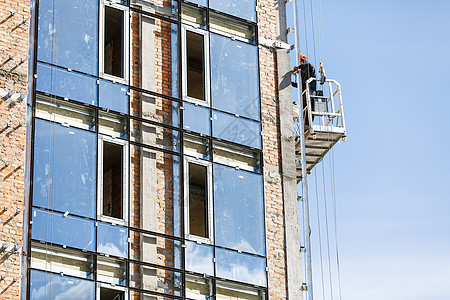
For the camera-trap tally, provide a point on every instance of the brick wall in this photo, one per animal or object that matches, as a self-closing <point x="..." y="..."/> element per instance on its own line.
<point x="158" y="166"/>
<point x="14" y="25"/>
<point x="275" y="235"/>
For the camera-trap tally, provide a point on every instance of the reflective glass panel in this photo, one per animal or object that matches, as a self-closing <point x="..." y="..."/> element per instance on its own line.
<point x="47" y="286"/>
<point x="59" y="260"/>
<point x="199" y="258"/>
<point x="68" y="34"/>
<point x="112" y="240"/>
<point x="154" y="48"/>
<point x="113" y="96"/>
<point x="241" y="30"/>
<point x="240" y="267"/>
<point x="141" y="295"/>
<point x="155" y="191"/>
<point x="62" y="83"/>
<point x="236" y="156"/>
<point x="199" y="2"/>
<point x="64" y="169"/>
<point x="111" y="270"/>
<point x="227" y="291"/>
<point x="154" y="135"/>
<point x="194" y="14"/>
<point x="167" y="8"/>
<point x="238" y="209"/>
<point x="245" y="9"/>
<point x="112" y="124"/>
<point x="234" y="76"/>
<point x="155" y="279"/>
<point x="69" y="231"/>
<point x="154" y="249"/>
<point x="196" y="146"/>
<point x="196" y="118"/>
<point x="66" y="113"/>
<point x="153" y="108"/>
<point x="237" y="130"/>
<point x="198" y="288"/>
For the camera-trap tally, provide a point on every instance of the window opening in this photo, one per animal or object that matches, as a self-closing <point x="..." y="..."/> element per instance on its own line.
<point x="198" y="200"/>
<point x="112" y="180"/>
<point x="198" y="206"/>
<point x="113" y="42"/>
<point x="196" y="65"/>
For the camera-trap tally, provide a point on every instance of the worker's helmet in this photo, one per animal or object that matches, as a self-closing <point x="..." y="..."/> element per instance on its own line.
<point x="303" y="56"/>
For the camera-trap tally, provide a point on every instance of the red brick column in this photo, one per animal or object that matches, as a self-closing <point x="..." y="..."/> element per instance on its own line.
<point x="275" y="232"/>
<point x="14" y="26"/>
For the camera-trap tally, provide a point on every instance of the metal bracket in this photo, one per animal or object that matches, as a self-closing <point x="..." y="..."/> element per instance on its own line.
<point x="274" y="44"/>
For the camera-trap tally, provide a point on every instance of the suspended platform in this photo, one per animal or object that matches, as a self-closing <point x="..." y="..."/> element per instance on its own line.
<point x="324" y="123"/>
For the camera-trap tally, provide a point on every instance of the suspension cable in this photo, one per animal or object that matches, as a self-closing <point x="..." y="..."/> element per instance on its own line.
<point x="320" y="236"/>
<point x="313" y="32"/>
<point x="327" y="231"/>
<point x="335" y="222"/>
<point x="306" y="27"/>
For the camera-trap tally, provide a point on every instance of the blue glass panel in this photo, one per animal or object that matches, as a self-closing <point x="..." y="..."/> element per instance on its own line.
<point x="199" y="258"/>
<point x="113" y="96"/>
<point x="48" y="286"/>
<point x="234" y="76"/>
<point x="112" y="240"/>
<point x="196" y="118"/>
<point x="64" y="169"/>
<point x="237" y="130"/>
<point x="70" y="231"/>
<point x="68" y="34"/>
<point x="240" y="267"/>
<point x="63" y="83"/>
<point x="245" y="9"/>
<point x="176" y="195"/>
<point x="238" y="209"/>
<point x="174" y="54"/>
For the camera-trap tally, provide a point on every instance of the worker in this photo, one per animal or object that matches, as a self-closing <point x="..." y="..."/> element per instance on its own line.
<point x="307" y="71"/>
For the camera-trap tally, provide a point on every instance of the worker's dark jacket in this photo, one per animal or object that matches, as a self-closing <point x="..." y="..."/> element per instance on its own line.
<point x="307" y="71"/>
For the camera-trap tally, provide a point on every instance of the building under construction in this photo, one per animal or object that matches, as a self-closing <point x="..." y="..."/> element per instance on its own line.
<point x="150" y="149"/>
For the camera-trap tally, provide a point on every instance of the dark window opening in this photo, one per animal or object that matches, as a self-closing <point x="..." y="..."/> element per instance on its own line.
<point x="112" y="180"/>
<point x="198" y="201"/>
<point x="113" y="58"/>
<point x="111" y="294"/>
<point x="195" y="65"/>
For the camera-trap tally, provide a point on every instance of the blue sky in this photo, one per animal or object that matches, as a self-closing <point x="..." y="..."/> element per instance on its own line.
<point x="392" y="182"/>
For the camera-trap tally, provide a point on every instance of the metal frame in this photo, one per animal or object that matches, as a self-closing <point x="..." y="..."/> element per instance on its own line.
<point x="125" y="179"/>
<point x="125" y="41"/>
<point x="210" y="221"/>
<point x="206" y="70"/>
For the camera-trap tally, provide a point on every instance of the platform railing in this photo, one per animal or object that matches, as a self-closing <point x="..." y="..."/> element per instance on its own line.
<point x="328" y="113"/>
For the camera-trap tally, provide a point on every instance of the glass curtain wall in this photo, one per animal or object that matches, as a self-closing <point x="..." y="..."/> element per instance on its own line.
<point x="140" y="191"/>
